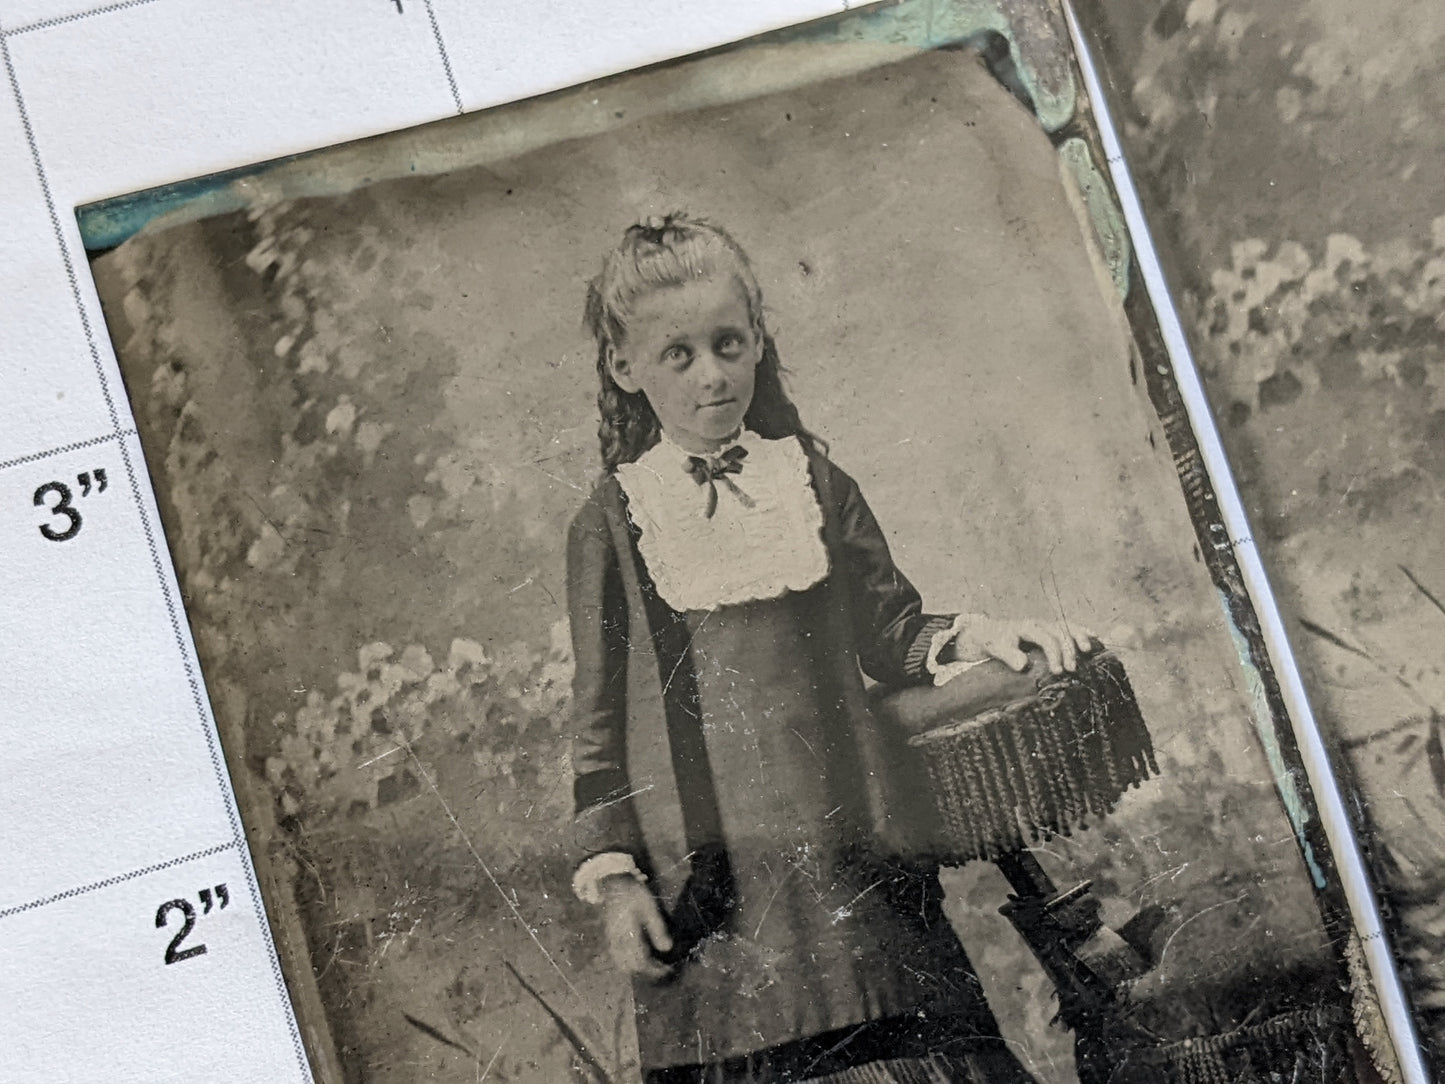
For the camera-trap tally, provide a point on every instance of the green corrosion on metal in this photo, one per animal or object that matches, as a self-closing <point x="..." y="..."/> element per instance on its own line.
<point x="1034" y="30"/>
<point x="1104" y="213"/>
<point x="1296" y="808"/>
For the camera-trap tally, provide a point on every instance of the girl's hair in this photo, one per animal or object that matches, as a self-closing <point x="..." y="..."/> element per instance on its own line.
<point x="660" y="253"/>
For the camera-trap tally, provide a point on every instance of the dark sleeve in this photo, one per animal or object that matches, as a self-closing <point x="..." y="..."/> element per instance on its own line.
<point x="890" y="629"/>
<point x="597" y="615"/>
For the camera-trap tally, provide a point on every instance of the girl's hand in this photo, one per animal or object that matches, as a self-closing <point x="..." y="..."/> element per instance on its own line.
<point x="634" y="927"/>
<point x="1001" y="640"/>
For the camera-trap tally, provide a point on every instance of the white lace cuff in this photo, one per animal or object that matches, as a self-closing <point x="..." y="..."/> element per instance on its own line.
<point x="589" y="875"/>
<point x="944" y="672"/>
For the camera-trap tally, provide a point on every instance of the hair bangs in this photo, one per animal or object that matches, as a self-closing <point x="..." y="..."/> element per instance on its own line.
<point x="678" y="256"/>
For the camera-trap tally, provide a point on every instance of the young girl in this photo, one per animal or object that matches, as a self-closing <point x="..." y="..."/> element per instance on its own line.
<point x="737" y="803"/>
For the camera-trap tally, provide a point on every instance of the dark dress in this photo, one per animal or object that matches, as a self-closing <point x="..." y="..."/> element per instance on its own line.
<point x="809" y="945"/>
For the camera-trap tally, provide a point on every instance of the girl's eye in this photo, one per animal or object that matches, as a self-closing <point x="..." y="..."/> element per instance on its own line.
<point x="730" y="345"/>
<point x="677" y="355"/>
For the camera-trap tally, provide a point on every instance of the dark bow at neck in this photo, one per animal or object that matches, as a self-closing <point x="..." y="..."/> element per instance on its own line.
<point x="709" y="470"/>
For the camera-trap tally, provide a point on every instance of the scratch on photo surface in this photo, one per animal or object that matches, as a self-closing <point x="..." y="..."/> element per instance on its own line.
<point x="482" y="1074"/>
<point x="1078" y="845"/>
<point x="682" y="655"/>
<point x="379" y="756"/>
<point x="570" y="1033"/>
<point x="559" y="480"/>
<point x="1058" y="598"/>
<point x="261" y="511"/>
<point x="623" y="797"/>
<point x="792" y="869"/>
<point x="295" y="853"/>
<point x="1200" y="914"/>
<point x="839" y="1045"/>
<point x="335" y="954"/>
<point x="846" y="911"/>
<point x="392" y="935"/>
<point x="1158" y="846"/>
<point x="487" y="872"/>
<point x="1172" y="874"/>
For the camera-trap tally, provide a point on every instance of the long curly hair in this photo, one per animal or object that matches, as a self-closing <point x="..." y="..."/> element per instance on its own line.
<point x="662" y="252"/>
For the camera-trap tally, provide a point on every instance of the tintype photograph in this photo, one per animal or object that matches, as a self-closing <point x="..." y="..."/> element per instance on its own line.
<point x="705" y="576"/>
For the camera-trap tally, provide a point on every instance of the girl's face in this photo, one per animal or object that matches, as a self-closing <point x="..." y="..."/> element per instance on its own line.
<point x="693" y="351"/>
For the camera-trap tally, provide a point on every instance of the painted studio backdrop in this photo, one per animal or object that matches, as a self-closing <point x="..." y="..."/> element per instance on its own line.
<point x="368" y="408"/>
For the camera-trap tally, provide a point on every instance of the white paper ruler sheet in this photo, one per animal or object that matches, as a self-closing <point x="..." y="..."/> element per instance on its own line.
<point x="132" y="939"/>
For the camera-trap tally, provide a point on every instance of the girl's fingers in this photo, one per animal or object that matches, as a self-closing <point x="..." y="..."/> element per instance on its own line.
<point x="1069" y="653"/>
<point x="1008" y="652"/>
<point x="644" y="963"/>
<point x="1062" y="647"/>
<point x="657" y="933"/>
<point x="1046" y="641"/>
<point x="631" y="954"/>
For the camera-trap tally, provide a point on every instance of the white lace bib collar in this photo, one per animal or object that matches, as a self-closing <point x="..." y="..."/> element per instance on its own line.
<point x="764" y="538"/>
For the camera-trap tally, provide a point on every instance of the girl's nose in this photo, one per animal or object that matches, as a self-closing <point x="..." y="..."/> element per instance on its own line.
<point x="711" y="372"/>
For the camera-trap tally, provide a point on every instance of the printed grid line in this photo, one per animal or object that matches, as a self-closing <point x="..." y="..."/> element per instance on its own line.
<point x="157" y="565"/>
<point x="75" y="446"/>
<point x="65" y="257"/>
<point x="436" y="32"/>
<point x="120" y="878"/>
<point x="62" y="20"/>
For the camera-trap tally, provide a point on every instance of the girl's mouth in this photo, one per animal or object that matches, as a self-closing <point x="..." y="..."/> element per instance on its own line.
<point x="717" y="403"/>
